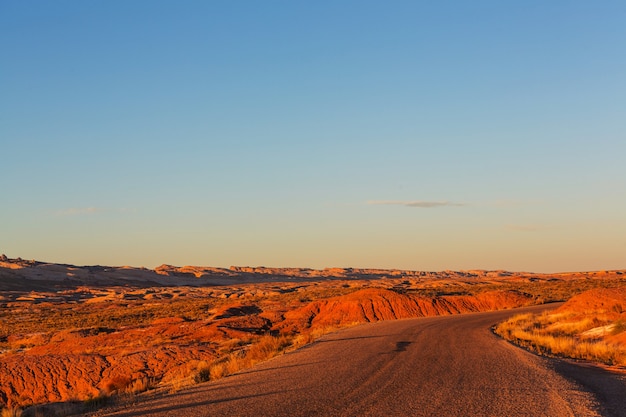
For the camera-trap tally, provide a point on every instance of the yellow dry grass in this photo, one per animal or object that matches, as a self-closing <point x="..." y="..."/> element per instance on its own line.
<point x="259" y="350"/>
<point x="263" y="348"/>
<point x="11" y="412"/>
<point x="563" y="335"/>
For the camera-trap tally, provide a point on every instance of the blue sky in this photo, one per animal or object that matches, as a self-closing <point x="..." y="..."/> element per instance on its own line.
<point x="415" y="135"/>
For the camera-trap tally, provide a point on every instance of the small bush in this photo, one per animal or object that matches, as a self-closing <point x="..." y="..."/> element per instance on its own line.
<point x="202" y="373"/>
<point x="220" y="370"/>
<point x="618" y="327"/>
<point x="116" y="384"/>
<point x="139" y="385"/>
<point x="266" y="347"/>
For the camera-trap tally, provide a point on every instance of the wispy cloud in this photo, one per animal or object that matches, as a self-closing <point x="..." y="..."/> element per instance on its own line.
<point x="74" y="211"/>
<point x="81" y="211"/>
<point x="416" y="203"/>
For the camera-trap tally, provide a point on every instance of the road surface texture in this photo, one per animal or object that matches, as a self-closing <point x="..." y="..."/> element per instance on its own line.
<point x="439" y="366"/>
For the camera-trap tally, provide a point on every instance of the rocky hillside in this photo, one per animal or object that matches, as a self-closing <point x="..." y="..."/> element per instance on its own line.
<point x="370" y="305"/>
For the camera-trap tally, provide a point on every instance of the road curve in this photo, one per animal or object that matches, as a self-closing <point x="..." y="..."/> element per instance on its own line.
<point x="438" y="366"/>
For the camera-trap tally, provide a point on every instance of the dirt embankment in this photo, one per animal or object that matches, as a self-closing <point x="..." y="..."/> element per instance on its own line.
<point x="606" y="307"/>
<point x="611" y="301"/>
<point x="371" y="305"/>
<point x="591" y="326"/>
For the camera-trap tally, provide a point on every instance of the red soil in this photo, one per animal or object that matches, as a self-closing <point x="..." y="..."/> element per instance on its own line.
<point x="81" y="363"/>
<point x="610" y="301"/>
<point x="370" y="305"/>
<point x="606" y="305"/>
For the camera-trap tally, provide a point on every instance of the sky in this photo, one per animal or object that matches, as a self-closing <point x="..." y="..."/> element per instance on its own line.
<point x="403" y="134"/>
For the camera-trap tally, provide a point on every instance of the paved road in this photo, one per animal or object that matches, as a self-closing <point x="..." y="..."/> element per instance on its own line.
<point x="440" y="366"/>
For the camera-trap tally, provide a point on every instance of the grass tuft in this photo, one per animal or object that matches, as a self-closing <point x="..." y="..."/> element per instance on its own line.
<point x="11" y="412"/>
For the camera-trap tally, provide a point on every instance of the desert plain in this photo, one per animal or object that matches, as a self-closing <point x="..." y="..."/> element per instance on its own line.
<point x="77" y="339"/>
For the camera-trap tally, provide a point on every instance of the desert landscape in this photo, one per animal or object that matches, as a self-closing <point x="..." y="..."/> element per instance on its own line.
<point x="74" y="339"/>
<point x="312" y="208"/>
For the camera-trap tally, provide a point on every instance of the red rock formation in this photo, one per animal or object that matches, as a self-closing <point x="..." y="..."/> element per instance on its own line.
<point x="371" y="305"/>
<point x="600" y="300"/>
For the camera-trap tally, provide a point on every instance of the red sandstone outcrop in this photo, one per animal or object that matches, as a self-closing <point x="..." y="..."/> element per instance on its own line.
<point x="371" y="305"/>
<point x="606" y="307"/>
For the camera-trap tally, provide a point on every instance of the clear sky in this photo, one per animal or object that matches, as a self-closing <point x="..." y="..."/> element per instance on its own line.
<point x="423" y="135"/>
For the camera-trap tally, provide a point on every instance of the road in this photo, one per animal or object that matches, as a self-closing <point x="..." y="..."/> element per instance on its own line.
<point x="439" y="366"/>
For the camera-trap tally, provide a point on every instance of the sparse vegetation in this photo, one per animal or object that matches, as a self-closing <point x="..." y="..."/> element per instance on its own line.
<point x="619" y="327"/>
<point x="173" y="337"/>
<point x="263" y="348"/>
<point x="542" y="291"/>
<point x="571" y="332"/>
<point x="126" y="385"/>
<point x="140" y="385"/>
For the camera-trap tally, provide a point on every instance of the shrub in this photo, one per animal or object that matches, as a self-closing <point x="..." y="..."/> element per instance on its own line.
<point x="116" y="384"/>
<point x="139" y="385"/>
<point x="618" y="327"/>
<point x="202" y="373"/>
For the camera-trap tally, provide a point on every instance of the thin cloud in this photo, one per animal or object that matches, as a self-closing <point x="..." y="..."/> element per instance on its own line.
<point x="74" y="211"/>
<point x="82" y="211"/>
<point x="415" y="203"/>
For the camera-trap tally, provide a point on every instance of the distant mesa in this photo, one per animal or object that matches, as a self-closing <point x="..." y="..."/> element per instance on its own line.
<point x="18" y="274"/>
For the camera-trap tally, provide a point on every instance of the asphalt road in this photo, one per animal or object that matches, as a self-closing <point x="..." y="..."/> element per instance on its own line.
<point x="439" y="366"/>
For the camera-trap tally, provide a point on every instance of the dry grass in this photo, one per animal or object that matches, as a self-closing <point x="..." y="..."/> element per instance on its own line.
<point x="116" y="384"/>
<point x="542" y="291"/>
<point x="618" y="327"/>
<point x="140" y="385"/>
<point x="33" y="318"/>
<point x="45" y="319"/>
<point x="259" y="350"/>
<point x="262" y="349"/>
<point x="563" y="335"/>
<point x="11" y="412"/>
